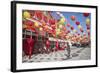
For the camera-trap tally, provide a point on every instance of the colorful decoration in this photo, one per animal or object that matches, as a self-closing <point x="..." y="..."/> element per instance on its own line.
<point x="60" y="26"/>
<point x="73" y="18"/>
<point x="41" y="29"/>
<point x="26" y="14"/>
<point x="62" y="20"/>
<point x="36" y="24"/>
<point x="74" y="31"/>
<point x="87" y="21"/>
<point x="52" y="21"/>
<point x="86" y="14"/>
<point x="77" y="23"/>
<point x="58" y="31"/>
<point x="79" y="26"/>
<point x="39" y="15"/>
<point x="68" y="25"/>
<point x="41" y="21"/>
<point x="72" y="28"/>
<point x="24" y="26"/>
<point x="27" y="22"/>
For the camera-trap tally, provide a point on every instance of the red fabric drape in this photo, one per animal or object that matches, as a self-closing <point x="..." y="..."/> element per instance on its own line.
<point x="28" y="45"/>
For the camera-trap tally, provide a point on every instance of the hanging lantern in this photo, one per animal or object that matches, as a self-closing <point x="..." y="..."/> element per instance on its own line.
<point x="28" y="27"/>
<point x="68" y="25"/>
<point x="58" y="31"/>
<point x="29" y="23"/>
<point x="32" y="13"/>
<point x="72" y="28"/>
<point x="64" y="28"/>
<point x="73" y="18"/>
<point x="87" y="21"/>
<point x="77" y="23"/>
<point x="36" y="24"/>
<point x="53" y="26"/>
<point x="79" y="26"/>
<point x="86" y="14"/>
<point x="26" y="14"/>
<point x="68" y="31"/>
<point x="78" y="34"/>
<point x="60" y="26"/>
<point x="52" y="21"/>
<point x="24" y="26"/>
<point x="45" y="19"/>
<point x="74" y="31"/>
<point x="41" y="29"/>
<point x="39" y="15"/>
<point x="62" y="20"/>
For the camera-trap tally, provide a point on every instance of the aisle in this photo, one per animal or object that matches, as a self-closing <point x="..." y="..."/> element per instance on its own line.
<point x="76" y="54"/>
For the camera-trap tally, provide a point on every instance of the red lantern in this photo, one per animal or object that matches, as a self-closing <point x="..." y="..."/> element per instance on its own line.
<point x="53" y="26"/>
<point x="64" y="28"/>
<point x="32" y="13"/>
<point x="51" y="21"/>
<point x="68" y="25"/>
<point x="72" y="28"/>
<point x="68" y="31"/>
<point x="78" y="34"/>
<point x="39" y="15"/>
<point x="73" y="17"/>
<point x="27" y="22"/>
<point x="77" y="23"/>
<point x="45" y="19"/>
<point x="86" y="14"/>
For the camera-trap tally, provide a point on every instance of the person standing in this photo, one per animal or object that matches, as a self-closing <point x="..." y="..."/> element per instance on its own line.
<point x="67" y="50"/>
<point x="30" y="46"/>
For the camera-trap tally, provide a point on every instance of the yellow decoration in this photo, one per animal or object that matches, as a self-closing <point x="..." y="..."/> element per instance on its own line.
<point x="60" y="26"/>
<point x="62" y="20"/>
<point x="36" y="24"/>
<point x="24" y="26"/>
<point x="40" y="28"/>
<point x="58" y="31"/>
<point x="88" y="21"/>
<point x="26" y="14"/>
<point x="79" y="27"/>
<point x="74" y="31"/>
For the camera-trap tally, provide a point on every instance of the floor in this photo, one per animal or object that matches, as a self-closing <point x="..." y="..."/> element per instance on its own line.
<point x="76" y="54"/>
